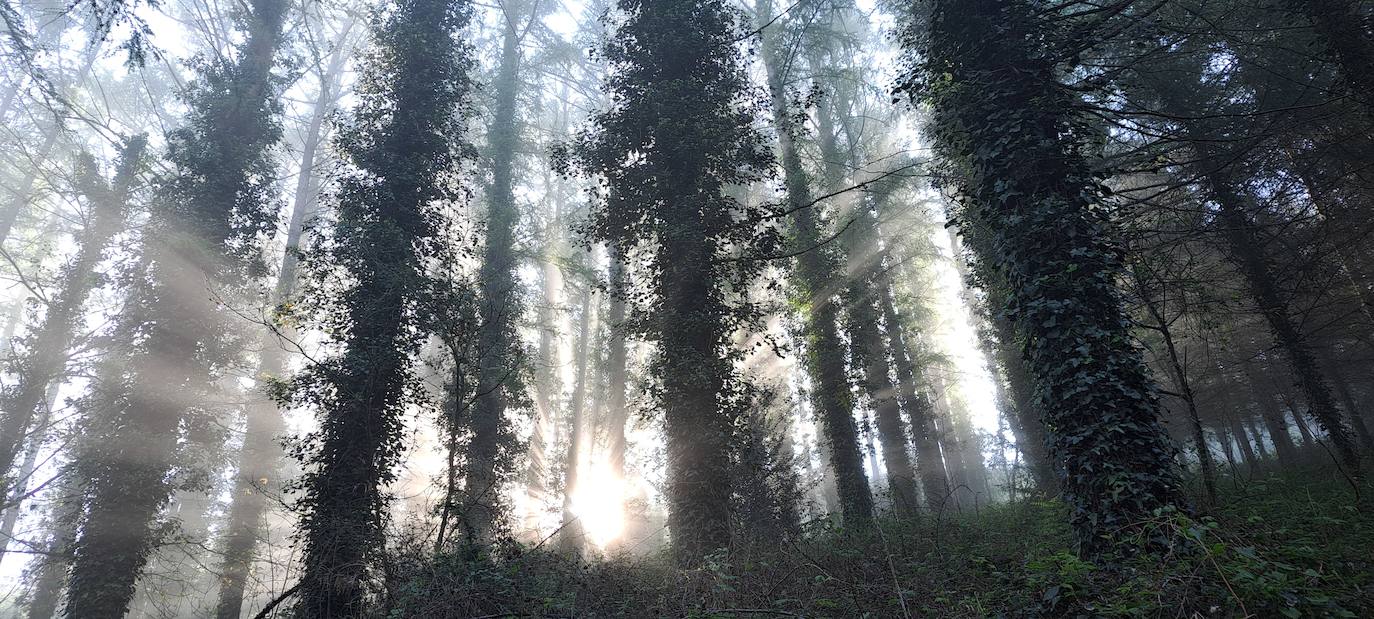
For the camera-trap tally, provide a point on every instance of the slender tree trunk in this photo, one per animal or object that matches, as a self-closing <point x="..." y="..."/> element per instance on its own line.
<point x="617" y="414"/>
<point x="869" y="352"/>
<point x="50" y="569"/>
<point x="1242" y="439"/>
<point x="818" y="273"/>
<point x="499" y="298"/>
<point x="1270" y="415"/>
<point x="1185" y="389"/>
<point x="45" y="356"/>
<point x="1247" y="248"/>
<point x="260" y="457"/>
<point x="547" y="384"/>
<point x="572" y="536"/>
<point x="930" y="465"/>
<point x="1005" y="353"/>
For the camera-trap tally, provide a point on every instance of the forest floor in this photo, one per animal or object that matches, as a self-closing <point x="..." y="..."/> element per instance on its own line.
<point x="1276" y="546"/>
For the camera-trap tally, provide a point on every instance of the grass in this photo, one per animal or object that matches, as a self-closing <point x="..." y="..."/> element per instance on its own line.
<point x="1289" y="546"/>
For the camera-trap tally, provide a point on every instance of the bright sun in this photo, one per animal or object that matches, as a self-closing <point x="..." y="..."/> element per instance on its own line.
<point x="599" y="503"/>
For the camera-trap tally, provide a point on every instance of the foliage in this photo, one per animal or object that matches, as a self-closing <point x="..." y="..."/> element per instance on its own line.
<point x="990" y="77"/>
<point x="371" y="285"/>
<point x="678" y="136"/>
<point x="1011" y="560"/>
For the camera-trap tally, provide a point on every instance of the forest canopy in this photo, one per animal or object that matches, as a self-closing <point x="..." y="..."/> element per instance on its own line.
<point x="686" y="308"/>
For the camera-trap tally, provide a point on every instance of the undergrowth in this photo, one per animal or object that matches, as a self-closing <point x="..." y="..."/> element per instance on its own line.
<point x="1278" y="547"/>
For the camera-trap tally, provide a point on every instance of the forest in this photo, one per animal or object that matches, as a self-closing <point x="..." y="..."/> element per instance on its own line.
<point x="686" y="308"/>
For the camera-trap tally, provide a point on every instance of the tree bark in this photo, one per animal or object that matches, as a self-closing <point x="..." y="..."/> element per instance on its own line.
<point x="817" y="273"/>
<point x="260" y="457"/>
<point x="499" y="298"/>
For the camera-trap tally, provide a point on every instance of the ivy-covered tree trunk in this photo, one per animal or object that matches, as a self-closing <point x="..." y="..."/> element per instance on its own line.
<point x="997" y="105"/>
<point x="403" y="142"/>
<point x="817" y="276"/>
<point x="677" y="134"/>
<point x="1002" y="346"/>
<point x="498" y="345"/>
<point x="259" y="459"/>
<point x="217" y="200"/>
<point x="44" y="355"/>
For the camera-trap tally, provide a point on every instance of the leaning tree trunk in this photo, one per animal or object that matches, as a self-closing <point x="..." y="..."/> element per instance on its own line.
<point x="44" y="357"/>
<point x="1001" y="108"/>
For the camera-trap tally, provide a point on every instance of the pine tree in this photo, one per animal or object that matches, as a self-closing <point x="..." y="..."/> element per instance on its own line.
<point x="816" y="273"/>
<point x="498" y="384"/>
<point x="259" y="459"/>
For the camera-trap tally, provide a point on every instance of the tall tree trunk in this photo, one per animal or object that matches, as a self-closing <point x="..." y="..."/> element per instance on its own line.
<point x="817" y="272"/>
<point x="547" y="384"/>
<point x="617" y="413"/>
<point x="1270" y="414"/>
<point x="406" y="143"/>
<point x="1053" y="243"/>
<point x="49" y="570"/>
<point x="1242" y="438"/>
<point x="45" y="355"/>
<point x="929" y="463"/>
<point x="1248" y="250"/>
<point x="572" y="536"/>
<point x="865" y="282"/>
<point x="499" y="298"/>
<point x="259" y="459"/>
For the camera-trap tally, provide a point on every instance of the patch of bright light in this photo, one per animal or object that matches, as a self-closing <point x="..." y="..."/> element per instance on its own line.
<point x="599" y="503"/>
